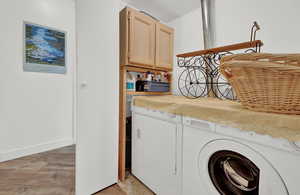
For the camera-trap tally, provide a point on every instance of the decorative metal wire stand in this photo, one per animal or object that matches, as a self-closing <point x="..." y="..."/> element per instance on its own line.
<point x="201" y="76"/>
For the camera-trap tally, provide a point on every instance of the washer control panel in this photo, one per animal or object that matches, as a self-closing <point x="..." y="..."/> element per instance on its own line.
<point x="199" y="124"/>
<point x="267" y="140"/>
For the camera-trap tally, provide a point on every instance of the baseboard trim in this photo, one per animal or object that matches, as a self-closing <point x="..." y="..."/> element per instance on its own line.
<point x="21" y="152"/>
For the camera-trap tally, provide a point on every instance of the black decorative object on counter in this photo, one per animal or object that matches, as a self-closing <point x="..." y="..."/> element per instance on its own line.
<point x="201" y="77"/>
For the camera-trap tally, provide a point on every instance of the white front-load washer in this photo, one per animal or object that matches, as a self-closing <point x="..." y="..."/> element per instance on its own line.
<point x="222" y="160"/>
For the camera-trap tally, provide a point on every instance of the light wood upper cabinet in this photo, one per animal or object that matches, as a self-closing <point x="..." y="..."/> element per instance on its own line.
<point x="137" y="38"/>
<point x="164" y="46"/>
<point x="141" y="39"/>
<point x="144" y="41"/>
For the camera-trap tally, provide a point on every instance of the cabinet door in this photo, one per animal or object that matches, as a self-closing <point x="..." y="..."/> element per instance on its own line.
<point x="164" y="46"/>
<point x="141" y="39"/>
<point x="155" y="154"/>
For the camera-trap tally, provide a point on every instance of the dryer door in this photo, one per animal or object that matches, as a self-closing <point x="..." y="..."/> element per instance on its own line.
<point x="229" y="167"/>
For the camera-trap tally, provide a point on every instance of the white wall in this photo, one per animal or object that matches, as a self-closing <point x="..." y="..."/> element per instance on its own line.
<point x="188" y="37"/>
<point x="36" y="109"/>
<point x="279" y="21"/>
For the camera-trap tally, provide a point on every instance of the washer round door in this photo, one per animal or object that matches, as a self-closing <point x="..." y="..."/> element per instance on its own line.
<point x="230" y="167"/>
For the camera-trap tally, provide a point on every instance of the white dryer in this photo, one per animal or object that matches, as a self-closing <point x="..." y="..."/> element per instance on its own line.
<point x="221" y="160"/>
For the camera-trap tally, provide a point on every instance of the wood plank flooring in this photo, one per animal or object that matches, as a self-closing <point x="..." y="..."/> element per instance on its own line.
<point x="48" y="173"/>
<point x="53" y="173"/>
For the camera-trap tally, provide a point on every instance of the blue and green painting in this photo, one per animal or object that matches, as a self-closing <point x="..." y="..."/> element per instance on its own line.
<point x="44" y="49"/>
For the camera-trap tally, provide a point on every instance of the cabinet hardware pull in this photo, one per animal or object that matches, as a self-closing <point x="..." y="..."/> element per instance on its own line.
<point x="138" y="133"/>
<point x="175" y="163"/>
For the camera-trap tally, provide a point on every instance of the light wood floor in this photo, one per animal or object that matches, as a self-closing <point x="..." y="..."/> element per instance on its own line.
<point x="53" y="173"/>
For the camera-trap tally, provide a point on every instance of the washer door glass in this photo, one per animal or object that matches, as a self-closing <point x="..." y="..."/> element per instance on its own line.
<point x="232" y="173"/>
<point x="228" y="167"/>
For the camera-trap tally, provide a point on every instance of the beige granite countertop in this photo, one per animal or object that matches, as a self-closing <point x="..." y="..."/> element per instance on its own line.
<point x="227" y="113"/>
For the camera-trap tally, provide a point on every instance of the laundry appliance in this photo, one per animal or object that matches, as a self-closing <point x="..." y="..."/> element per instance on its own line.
<point x="223" y="160"/>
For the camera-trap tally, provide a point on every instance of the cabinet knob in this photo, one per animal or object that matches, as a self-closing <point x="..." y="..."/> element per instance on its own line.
<point x="83" y="84"/>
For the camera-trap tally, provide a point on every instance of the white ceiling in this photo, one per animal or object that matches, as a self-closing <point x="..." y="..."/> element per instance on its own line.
<point x="165" y="10"/>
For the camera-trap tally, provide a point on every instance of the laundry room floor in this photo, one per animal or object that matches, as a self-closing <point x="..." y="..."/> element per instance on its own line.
<point x="53" y="173"/>
<point x="47" y="173"/>
<point x="131" y="186"/>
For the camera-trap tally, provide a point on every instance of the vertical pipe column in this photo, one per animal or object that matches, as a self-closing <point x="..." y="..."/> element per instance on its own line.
<point x="208" y="23"/>
<point x="207" y="8"/>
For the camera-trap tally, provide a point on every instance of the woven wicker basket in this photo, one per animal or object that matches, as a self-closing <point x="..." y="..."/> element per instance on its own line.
<point x="265" y="82"/>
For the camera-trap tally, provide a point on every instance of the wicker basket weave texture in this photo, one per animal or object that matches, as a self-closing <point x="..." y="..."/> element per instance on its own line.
<point x="265" y="82"/>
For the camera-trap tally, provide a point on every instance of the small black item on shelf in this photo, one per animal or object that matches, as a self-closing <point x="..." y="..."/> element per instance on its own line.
<point x="139" y="84"/>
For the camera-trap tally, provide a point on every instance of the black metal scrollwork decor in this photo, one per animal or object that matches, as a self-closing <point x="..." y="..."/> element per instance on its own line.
<point x="201" y="77"/>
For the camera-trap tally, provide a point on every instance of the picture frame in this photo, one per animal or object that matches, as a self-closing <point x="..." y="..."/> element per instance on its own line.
<point x="44" y="49"/>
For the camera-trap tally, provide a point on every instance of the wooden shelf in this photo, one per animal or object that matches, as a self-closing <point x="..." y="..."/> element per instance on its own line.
<point x="238" y="46"/>
<point x="137" y="68"/>
<point x="152" y="56"/>
<point x="147" y="93"/>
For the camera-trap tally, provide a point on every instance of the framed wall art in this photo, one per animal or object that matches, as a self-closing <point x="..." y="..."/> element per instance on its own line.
<point x="44" y="49"/>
